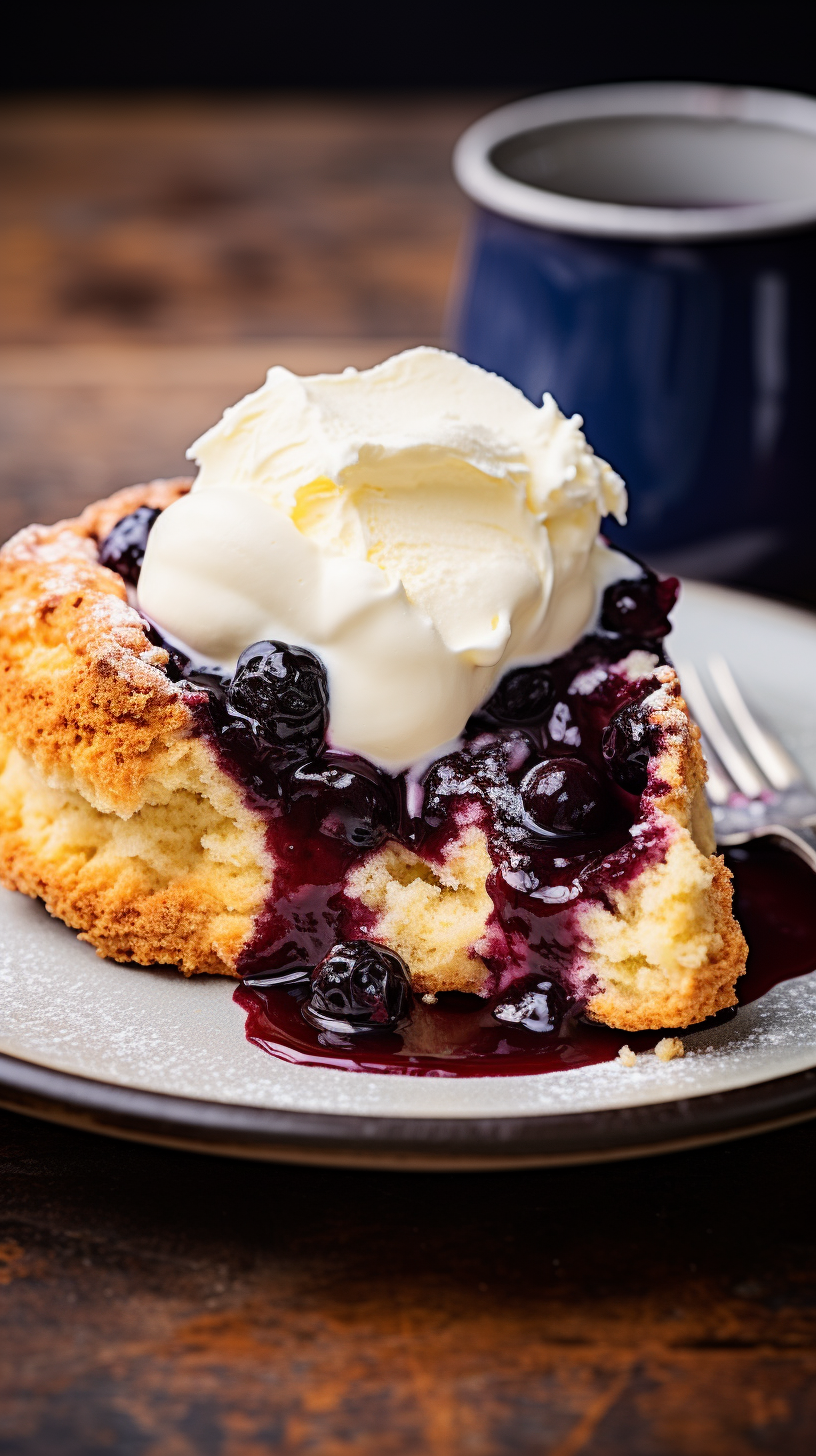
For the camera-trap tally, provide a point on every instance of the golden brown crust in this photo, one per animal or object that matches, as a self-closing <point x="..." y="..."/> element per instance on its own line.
<point x="99" y="518"/>
<point x="81" y="694"/>
<point x="642" y="992"/>
<point x="96" y="744"/>
<point x="179" y="882"/>
<point x="668" y="952"/>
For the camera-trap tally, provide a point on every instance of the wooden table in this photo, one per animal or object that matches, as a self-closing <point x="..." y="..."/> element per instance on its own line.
<point x="154" y="259"/>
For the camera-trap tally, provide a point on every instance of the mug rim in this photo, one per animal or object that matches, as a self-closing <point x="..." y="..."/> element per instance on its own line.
<point x="481" y="179"/>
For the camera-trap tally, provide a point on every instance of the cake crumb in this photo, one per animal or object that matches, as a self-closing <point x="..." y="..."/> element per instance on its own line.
<point x="429" y="999"/>
<point x="669" y="1048"/>
<point x="627" y="1056"/>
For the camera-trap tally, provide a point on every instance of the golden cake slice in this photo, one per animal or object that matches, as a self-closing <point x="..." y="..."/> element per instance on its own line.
<point x="150" y="806"/>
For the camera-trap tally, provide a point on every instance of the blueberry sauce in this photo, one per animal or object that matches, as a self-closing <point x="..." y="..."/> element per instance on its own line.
<point x="552" y="768"/>
<point x="534" y="1027"/>
<point x="557" y="823"/>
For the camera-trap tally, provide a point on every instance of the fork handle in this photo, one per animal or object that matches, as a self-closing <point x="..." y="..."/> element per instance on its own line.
<point x="802" y="841"/>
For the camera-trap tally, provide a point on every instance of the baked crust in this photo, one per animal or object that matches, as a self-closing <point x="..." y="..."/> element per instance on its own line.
<point x="82" y="698"/>
<point x="112" y="809"/>
<point x="116" y="812"/>
<point x="666" y="950"/>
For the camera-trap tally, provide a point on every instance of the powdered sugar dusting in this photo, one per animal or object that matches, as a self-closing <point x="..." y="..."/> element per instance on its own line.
<point x="62" y="1007"/>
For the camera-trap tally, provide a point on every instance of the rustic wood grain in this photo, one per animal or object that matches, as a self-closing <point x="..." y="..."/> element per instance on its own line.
<point x="155" y="258"/>
<point x="169" y="1304"/>
<point x="217" y="220"/>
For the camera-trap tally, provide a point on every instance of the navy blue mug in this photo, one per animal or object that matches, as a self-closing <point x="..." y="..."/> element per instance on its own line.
<point x="647" y="254"/>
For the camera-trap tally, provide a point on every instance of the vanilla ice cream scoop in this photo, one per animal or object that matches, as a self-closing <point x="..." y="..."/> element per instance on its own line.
<point x="421" y="526"/>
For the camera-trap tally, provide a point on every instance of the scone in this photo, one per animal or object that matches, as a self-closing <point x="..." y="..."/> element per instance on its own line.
<point x="251" y="748"/>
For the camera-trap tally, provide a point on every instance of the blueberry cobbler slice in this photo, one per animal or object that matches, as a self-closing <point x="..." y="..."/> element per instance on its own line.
<point x="178" y="815"/>
<point x="278" y="733"/>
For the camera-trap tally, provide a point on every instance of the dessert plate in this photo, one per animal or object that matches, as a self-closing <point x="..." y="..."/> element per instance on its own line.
<point x="148" y="1055"/>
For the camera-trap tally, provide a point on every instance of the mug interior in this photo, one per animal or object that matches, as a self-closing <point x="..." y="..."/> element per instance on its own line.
<point x="664" y="161"/>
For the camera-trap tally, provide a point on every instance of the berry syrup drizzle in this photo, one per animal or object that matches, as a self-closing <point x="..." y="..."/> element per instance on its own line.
<point x="325" y="816"/>
<point x="552" y="769"/>
<point x="461" y="1037"/>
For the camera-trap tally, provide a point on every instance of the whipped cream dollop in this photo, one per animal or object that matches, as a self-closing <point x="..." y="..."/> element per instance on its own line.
<point x="421" y="526"/>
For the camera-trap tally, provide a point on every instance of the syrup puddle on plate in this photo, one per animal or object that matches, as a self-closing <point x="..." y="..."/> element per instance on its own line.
<point x="774" y="901"/>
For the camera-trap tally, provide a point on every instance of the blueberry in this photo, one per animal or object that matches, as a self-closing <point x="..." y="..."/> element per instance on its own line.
<point x="564" y="796"/>
<point x="351" y="799"/>
<point x="281" y="694"/>
<point x="640" y="608"/>
<point x="123" y="549"/>
<point x="628" y="743"/>
<point x="521" y="697"/>
<point x="534" y="1008"/>
<point x="359" y="986"/>
<point x="448" y="778"/>
<point x="481" y="770"/>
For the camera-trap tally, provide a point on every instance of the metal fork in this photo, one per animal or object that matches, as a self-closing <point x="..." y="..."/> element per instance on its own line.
<point x="754" y="787"/>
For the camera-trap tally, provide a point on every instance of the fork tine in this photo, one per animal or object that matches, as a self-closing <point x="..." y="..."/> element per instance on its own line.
<point x="776" y="764"/>
<point x="734" y="760"/>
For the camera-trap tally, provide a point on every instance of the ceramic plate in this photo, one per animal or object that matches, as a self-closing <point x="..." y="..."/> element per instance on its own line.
<point x="146" y="1054"/>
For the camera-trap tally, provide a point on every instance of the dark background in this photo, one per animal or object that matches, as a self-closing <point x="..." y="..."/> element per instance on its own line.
<point x="525" y="46"/>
